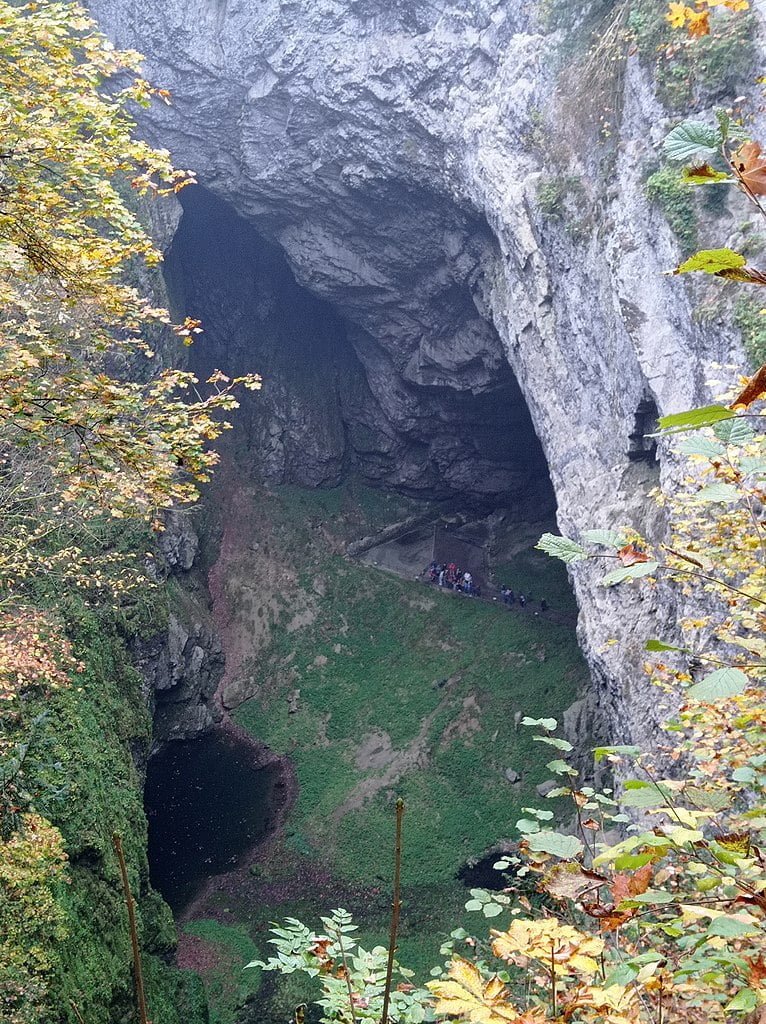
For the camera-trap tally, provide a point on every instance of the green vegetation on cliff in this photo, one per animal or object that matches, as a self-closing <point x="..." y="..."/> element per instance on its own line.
<point x="85" y="742"/>
<point x="80" y="450"/>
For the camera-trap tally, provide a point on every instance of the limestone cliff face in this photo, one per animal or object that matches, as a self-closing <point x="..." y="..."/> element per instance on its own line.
<point x="391" y="150"/>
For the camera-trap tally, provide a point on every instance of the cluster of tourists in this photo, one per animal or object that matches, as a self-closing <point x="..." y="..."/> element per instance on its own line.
<point x="510" y="598"/>
<point x="450" y="575"/>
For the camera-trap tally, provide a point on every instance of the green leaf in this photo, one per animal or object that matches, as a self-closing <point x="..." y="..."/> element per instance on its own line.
<point x="541" y="815"/>
<point x="731" y="928"/>
<point x="701" y="446"/>
<point x="752" y="464"/>
<point x="630" y="751"/>
<point x="724" y="682"/>
<point x="716" y="492"/>
<point x="492" y="909"/>
<point x="474" y="905"/>
<point x="744" y="774"/>
<point x="735" y="430"/>
<point x="745" y="1000"/>
<point x="645" y="796"/>
<point x="559" y="767"/>
<point x="629" y="572"/>
<point x="606" y="538"/>
<point x="714" y="800"/>
<point x="566" y="847"/>
<point x="658" y="645"/>
<point x="549" y="724"/>
<point x="561" y="547"/>
<point x="680" y="835"/>
<point x="622" y="975"/>
<point x="554" y="741"/>
<point x="711" y="261"/>
<point x="704" y="175"/>
<point x="528" y="825"/>
<point x="654" y="896"/>
<point x="690" y="139"/>
<point x="631" y="861"/>
<point x="692" y="419"/>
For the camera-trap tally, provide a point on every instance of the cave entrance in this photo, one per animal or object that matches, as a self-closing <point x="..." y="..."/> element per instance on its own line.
<point x="337" y="401"/>
<point x="208" y="802"/>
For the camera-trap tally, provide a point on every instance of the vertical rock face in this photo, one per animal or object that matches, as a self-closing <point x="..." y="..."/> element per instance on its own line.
<point x="390" y="150"/>
<point x="182" y="664"/>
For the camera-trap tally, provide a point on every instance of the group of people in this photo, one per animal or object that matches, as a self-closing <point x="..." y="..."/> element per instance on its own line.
<point x="450" y="575"/>
<point x="510" y="598"/>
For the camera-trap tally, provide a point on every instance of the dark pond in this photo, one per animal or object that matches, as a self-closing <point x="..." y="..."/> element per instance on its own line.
<point x="481" y="874"/>
<point x="207" y="803"/>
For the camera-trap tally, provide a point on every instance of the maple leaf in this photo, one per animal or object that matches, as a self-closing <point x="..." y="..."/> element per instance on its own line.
<point x="735" y="842"/>
<point x="626" y="885"/>
<point x="750" y="167"/>
<point x="677" y="14"/>
<point x="630" y="555"/>
<point x="756" y="970"/>
<point x="548" y="941"/>
<point x="615" y="919"/>
<point x="466" y="994"/>
<point x="753" y="390"/>
<point x="730" y="5"/>
<point x="320" y="949"/>
<point x="697" y="24"/>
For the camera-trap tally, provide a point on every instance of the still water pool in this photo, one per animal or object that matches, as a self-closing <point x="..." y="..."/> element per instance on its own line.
<point x="208" y="802"/>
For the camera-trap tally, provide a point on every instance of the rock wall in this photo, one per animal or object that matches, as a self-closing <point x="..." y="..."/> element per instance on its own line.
<point x="394" y="152"/>
<point x="183" y="664"/>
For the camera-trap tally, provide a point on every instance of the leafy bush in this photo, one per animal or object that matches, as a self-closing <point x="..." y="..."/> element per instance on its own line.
<point x="750" y="320"/>
<point x="676" y="201"/>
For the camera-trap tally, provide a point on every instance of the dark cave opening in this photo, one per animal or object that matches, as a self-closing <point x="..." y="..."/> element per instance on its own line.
<point x="642" y="445"/>
<point x="208" y="802"/>
<point x="336" y="402"/>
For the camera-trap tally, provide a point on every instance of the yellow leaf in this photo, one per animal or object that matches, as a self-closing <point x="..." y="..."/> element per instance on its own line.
<point x="465" y="994"/>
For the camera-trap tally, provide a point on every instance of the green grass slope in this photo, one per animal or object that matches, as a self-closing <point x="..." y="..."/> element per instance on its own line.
<point x="406" y="691"/>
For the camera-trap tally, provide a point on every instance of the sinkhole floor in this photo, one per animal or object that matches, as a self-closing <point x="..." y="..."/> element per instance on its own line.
<point x="375" y="687"/>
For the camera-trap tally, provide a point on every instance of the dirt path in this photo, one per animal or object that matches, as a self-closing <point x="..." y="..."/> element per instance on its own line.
<point x="550" y="615"/>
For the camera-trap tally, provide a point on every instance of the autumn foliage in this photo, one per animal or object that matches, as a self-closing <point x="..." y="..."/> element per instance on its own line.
<point x="94" y="428"/>
<point x="695" y="18"/>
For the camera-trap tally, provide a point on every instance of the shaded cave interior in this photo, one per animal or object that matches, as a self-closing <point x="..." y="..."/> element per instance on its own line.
<point x="333" y="403"/>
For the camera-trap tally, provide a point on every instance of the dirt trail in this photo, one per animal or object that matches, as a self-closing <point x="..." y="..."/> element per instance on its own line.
<point x="532" y="608"/>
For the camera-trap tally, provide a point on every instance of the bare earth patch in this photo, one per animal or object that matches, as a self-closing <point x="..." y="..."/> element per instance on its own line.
<point x="414" y="755"/>
<point x="374" y="752"/>
<point x="466" y="724"/>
